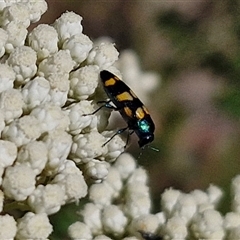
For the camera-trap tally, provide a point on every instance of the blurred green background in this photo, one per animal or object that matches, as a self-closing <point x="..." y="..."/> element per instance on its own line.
<point x="194" y="46"/>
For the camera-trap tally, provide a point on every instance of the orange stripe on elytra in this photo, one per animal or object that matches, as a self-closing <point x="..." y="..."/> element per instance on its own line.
<point x="140" y="114"/>
<point x="124" y="96"/>
<point x="128" y="111"/>
<point x="110" y="82"/>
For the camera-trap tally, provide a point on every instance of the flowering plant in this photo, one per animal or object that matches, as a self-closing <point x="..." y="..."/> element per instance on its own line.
<point x="52" y="147"/>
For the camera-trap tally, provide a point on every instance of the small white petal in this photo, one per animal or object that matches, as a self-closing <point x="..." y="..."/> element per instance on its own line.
<point x="8" y="152"/>
<point x="79" y="231"/>
<point x="17" y="34"/>
<point x="208" y="225"/>
<point x="51" y="117"/>
<point x="23" y="61"/>
<point x="83" y="82"/>
<point x="36" y="9"/>
<point x="68" y="25"/>
<point x="114" y="147"/>
<point x="18" y="13"/>
<point x="33" y="226"/>
<point x="125" y="164"/>
<point x="19" y="182"/>
<point x="114" y="221"/>
<point x="58" y="143"/>
<point x="145" y="223"/>
<point x="169" y="199"/>
<point x="44" y="40"/>
<point x="101" y="194"/>
<point x="78" y="119"/>
<point x="11" y="102"/>
<point x="59" y="62"/>
<point x="88" y="146"/>
<point x="7" y="77"/>
<point x="175" y="228"/>
<point x="8" y="227"/>
<point x="34" y="155"/>
<point x="103" y="55"/>
<point x="215" y="194"/>
<point x="35" y="93"/>
<point x="79" y="46"/>
<point x="91" y="214"/>
<point x="46" y="199"/>
<point x="23" y="130"/>
<point x="3" y="41"/>
<point x="96" y="170"/>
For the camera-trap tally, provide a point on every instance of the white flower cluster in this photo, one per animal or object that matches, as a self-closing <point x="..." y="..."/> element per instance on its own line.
<point x="49" y="86"/>
<point x="119" y="208"/>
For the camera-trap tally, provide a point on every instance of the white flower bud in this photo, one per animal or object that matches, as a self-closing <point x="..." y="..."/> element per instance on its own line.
<point x="71" y="180"/>
<point x="91" y="214"/>
<point x="17" y="34"/>
<point x="200" y="197"/>
<point x="103" y="55"/>
<point x="87" y="146"/>
<point x="8" y="152"/>
<point x="44" y="40"/>
<point x="18" y="13"/>
<point x="59" y="87"/>
<point x="3" y="41"/>
<point x="169" y="199"/>
<point x="59" y="62"/>
<point x="51" y="117"/>
<point x="33" y="226"/>
<point x="114" y="181"/>
<point x="139" y="176"/>
<point x="11" y="102"/>
<point x="83" y="82"/>
<point x="23" y="130"/>
<point x="18" y="182"/>
<point x="175" y="228"/>
<point x="79" y="46"/>
<point x="8" y="227"/>
<point x="125" y="165"/>
<point x="79" y="121"/>
<point x="208" y="225"/>
<point x="185" y="207"/>
<point x="113" y="220"/>
<point x="35" y="93"/>
<point x="7" y="77"/>
<point x="145" y="223"/>
<point x="34" y="155"/>
<point x="96" y="170"/>
<point x="46" y="199"/>
<point x="75" y="187"/>
<point x="36" y="9"/>
<point x="101" y="194"/>
<point x="232" y="220"/>
<point x="114" y="147"/>
<point x="23" y="61"/>
<point x="137" y="204"/>
<point x="58" y="143"/>
<point x="215" y="194"/>
<point x="79" y="231"/>
<point x="68" y="25"/>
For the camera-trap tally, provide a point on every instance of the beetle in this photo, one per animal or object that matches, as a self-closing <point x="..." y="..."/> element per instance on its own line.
<point x="129" y="106"/>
